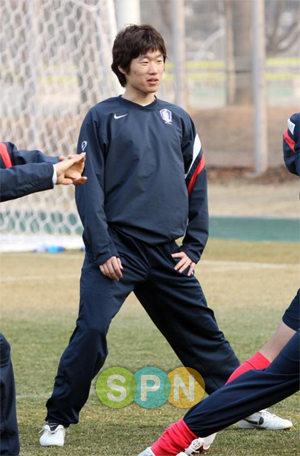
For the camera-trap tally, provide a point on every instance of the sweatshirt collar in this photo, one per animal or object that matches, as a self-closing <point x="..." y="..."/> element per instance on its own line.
<point x="149" y="107"/>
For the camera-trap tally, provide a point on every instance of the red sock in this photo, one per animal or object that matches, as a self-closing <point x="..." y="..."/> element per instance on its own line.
<point x="175" y="439"/>
<point x="257" y="361"/>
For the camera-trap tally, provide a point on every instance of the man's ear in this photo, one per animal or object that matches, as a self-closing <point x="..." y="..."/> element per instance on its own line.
<point x="121" y="70"/>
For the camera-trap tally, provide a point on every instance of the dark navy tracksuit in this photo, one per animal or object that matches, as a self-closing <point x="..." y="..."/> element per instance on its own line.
<point x="9" y="436"/>
<point x="146" y="187"/>
<point x="258" y="389"/>
<point x="291" y="317"/>
<point x="291" y="155"/>
<point x="252" y="390"/>
<point x="291" y="144"/>
<point x="21" y="173"/>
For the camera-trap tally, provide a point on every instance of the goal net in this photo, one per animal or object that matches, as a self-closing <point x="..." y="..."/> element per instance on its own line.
<point x="55" y="58"/>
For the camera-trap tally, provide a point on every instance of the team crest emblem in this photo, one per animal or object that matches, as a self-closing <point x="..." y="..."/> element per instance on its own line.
<point x="166" y="116"/>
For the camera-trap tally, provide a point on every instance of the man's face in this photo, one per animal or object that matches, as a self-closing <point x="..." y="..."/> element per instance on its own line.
<point x="145" y="73"/>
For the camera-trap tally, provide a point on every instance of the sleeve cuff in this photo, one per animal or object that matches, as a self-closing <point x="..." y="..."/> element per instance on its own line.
<point x="194" y="257"/>
<point x="103" y="257"/>
<point x="54" y="176"/>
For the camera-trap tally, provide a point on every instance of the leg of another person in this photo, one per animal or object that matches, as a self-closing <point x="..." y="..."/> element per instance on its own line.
<point x="9" y="436"/>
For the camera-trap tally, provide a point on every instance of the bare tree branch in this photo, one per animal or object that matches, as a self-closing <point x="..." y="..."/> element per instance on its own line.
<point x="292" y="37"/>
<point x="280" y="35"/>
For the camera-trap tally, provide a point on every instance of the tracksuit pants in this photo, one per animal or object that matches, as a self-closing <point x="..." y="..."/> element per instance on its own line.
<point x="175" y="303"/>
<point x="9" y="436"/>
<point x="291" y="316"/>
<point x="252" y="391"/>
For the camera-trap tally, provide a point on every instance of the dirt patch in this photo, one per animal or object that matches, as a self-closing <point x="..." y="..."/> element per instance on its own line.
<point x="245" y="175"/>
<point x="227" y="135"/>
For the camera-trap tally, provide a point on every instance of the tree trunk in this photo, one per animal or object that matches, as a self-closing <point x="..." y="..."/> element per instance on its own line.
<point x="239" y="81"/>
<point x="230" y="71"/>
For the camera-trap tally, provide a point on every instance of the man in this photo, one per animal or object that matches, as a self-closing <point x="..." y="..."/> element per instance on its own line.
<point x="230" y="403"/>
<point x="21" y="173"/>
<point x="146" y="187"/>
<point x="247" y="388"/>
<point x="291" y="319"/>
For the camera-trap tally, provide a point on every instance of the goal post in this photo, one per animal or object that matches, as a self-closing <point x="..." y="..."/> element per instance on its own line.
<point x="55" y="58"/>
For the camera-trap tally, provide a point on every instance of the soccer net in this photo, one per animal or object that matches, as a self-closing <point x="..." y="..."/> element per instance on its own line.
<point x="55" y="58"/>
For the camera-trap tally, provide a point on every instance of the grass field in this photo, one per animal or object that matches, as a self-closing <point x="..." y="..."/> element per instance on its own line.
<point x="249" y="285"/>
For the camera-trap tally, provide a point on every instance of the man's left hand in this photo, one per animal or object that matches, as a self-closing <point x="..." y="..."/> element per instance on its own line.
<point x="75" y="172"/>
<point x="184" y="263"/>
<point x="70" y="171"/>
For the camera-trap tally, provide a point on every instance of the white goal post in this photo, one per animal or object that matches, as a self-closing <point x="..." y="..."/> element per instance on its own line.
<point x="55" y="58"/>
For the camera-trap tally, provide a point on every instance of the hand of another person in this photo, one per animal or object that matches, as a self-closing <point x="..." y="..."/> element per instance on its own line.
<point x="184" y="263"/>
<point x="112" y="268"/>
<point x="70" y="171"/>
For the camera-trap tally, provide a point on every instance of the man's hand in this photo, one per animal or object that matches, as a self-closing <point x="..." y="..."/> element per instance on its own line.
<point x="112" y="268"/>
<point x="184" y="263"/>
<point x="70" y="171"/>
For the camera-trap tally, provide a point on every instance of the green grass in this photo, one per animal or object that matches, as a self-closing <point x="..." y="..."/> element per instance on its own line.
<point x="249" y="285"/>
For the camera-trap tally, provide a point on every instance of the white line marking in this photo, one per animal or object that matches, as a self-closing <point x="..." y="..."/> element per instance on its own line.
<point x="44" y="278"/>
<point x="33" y="396"/>
<point x="46" y="395"/>
<point x="245" y="264"/>
<point x="52" y="256"/>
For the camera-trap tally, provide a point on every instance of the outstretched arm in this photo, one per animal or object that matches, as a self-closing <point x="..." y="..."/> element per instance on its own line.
<point x="23" y="180"/>
<point x="11" y="156"/>
<point x="20" y="180"/>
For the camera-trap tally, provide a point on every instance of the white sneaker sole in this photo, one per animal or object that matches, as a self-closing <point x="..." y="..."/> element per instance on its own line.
<point x="51" y="444"/>
<point x="245" y="425"/>
<point x="55" y="438"/>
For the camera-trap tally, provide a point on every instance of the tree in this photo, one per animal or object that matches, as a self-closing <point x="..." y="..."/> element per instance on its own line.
<point x="239" y="52"/>
<point x="282" y="21"/>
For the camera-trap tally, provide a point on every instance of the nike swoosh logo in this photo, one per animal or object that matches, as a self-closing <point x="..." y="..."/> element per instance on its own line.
<point x="119" y="117"/>
<point x="260" y="422"/>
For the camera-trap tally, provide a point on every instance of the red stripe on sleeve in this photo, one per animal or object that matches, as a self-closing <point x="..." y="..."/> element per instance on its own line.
<point x="5" y="155"/>
<point x="290" y="142"/>
<point x="197" y="171"/>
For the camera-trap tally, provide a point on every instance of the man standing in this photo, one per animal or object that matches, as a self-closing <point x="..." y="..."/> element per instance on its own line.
<point x="146" y="187"/>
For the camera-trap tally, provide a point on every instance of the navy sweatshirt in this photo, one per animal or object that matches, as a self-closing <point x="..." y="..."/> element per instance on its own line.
<point x="146" y="177"/>
<point x="23" y="171"/>
<point x="291" y="144"/>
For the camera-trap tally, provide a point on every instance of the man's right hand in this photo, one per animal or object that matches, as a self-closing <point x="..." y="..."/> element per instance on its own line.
<point x="112" y="268"/>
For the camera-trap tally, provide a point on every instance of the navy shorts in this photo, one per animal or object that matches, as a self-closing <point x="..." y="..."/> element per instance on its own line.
<point x="291" y="316"/>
